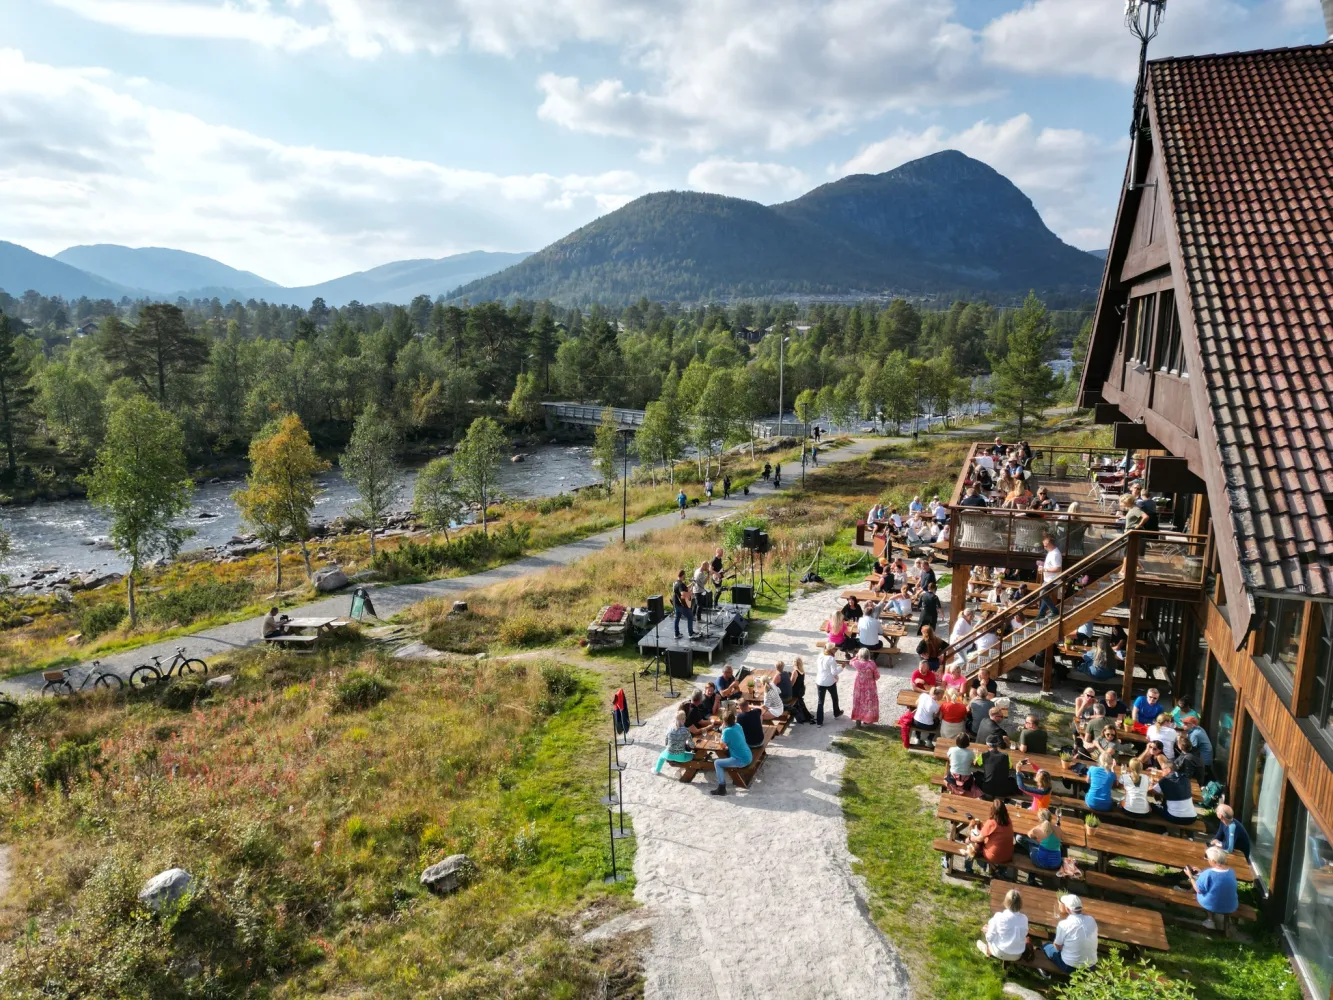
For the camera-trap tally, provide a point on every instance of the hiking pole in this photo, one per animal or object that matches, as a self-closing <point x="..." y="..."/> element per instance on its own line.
<point x="610" y="798"/>
<point x="622" y="833"/>
<point x="615" y="876"/>
<point x="634" y="678"/>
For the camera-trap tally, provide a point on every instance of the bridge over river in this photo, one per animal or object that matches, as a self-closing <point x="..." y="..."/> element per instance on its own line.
<point x="590" y="415"/>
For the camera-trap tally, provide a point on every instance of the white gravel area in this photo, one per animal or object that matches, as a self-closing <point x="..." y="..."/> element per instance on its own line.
<point x="752" y="895"/>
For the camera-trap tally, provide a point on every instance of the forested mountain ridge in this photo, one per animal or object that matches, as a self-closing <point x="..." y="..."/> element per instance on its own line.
<point x="159" y="270"/>
<point x="945" y="224"/>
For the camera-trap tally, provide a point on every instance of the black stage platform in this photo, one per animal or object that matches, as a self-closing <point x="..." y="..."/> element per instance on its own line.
<point x="709" y="634"/>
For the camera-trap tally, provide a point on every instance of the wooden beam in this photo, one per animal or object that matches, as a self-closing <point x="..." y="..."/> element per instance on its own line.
<point x="1307" y="659"/>
<point x="962" y="573"/>
<point x="1107" y="413"/>
<point x="1132" y="435"/>
<point x="1132" y="632"/>
<point x="1168" y="474"/>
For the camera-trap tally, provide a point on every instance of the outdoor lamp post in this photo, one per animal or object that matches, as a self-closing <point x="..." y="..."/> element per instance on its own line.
<point x="624" y="490"/>
<point x="781" y="344"/>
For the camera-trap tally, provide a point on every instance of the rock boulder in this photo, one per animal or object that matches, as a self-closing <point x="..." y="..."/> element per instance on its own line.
<point x="449" y="875"/>
<point x="330" y="578"/>
<point x="165" y="888"/>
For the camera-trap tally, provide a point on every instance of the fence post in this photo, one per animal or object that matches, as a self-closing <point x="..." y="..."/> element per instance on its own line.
<point x="615" y="876"/>
<point x="610" y="798"/>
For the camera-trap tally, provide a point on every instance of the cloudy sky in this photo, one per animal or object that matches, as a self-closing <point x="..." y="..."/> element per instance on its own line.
<point x="302" y="139"/>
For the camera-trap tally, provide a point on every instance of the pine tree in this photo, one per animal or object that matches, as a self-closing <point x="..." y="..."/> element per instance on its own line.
<point x="1021" y="382"/>
<point x="15" y="394"/>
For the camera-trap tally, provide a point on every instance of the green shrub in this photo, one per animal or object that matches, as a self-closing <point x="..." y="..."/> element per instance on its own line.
<point x="21" y="763"/>
<point x="733" y="530"/>
<point x="467" y="551"/>
<point x="183" y="605"/>
<point x="182" y="695"/>
<point x="561" y="682"/>
<point x="1112" y="979"/>
<point x="527" y="628"/>
<point x="360" y="690"/>
<point x="561" y="501"/>
<point x="94" y="619"/>
<point x="464" y="632"/>
<point x="70" y="761"/>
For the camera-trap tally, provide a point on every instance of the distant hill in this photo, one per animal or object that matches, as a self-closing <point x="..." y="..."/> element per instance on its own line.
<point x="159" y="270"/>
<point x="944" y="224"/>
<point x="110" y="271"/>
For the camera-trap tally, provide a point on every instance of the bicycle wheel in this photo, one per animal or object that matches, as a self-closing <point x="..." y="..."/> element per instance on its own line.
<point x="8" y="708"/>
<point x="57" y="689"/>
<point x="145" y="676"/>
<point x="192" y="667"/>
<point x="109" y="682"/>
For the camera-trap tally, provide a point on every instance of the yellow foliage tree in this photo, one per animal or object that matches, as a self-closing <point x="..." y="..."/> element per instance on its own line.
<point x="279" y="494"/>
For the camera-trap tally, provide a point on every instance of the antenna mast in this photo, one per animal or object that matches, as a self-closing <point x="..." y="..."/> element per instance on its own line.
<point x="1142" y="18"/>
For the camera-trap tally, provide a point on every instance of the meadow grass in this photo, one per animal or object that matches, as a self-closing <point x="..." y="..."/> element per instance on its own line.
<point x="305" y="808"/>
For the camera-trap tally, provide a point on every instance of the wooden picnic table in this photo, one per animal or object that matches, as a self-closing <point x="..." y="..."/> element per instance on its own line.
<point x="1132" y="925"/>
<point x="954" y="809"/>
<point x="1054" y="766"/>
<point x="1173" y="852"/>
<point x="305" y="633"/>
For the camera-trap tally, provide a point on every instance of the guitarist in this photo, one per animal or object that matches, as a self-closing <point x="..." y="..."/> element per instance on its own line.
<point x="717" y="575"/>
<point x="682" y="604"/>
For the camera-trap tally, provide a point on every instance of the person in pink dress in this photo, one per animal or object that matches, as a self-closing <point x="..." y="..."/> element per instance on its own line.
<point x="865" y="693"/>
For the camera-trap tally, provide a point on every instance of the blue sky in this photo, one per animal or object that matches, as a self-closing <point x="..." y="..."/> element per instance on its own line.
<point x="302" y="139"/>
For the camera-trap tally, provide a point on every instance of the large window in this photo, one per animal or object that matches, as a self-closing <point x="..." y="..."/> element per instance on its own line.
<point x="1321" y="690"/>
<point x="1280" y="635"/>
<point x="1260" y="800"/>
<point x="1170" y="349"/>
<point x="1309" y="915"/>
<point x="1220" y="720"/>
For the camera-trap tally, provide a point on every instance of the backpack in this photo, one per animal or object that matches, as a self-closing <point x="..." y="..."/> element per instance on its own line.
<point x="1212" y="795"/>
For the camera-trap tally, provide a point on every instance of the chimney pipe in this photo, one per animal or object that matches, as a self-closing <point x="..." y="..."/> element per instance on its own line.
<point x="1328" y="17"/>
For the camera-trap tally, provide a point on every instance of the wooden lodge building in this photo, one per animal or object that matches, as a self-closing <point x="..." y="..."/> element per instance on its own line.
<point x="1212" y="357"/>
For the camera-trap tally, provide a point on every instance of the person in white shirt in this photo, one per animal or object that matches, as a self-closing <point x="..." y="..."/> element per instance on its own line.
<point x="901" y="603"/>
<point x="1166" y="735"/>
<point x="1005" y="935"/>
<point x="867" y="629"/>
<point x="963" y="625"/>
<point x="827" y="671"/>
<point x="1051" y="568"/>
<point x="773" y="706"/>
<point x="1136" y="785"/>
<point x="1075" y="944"/>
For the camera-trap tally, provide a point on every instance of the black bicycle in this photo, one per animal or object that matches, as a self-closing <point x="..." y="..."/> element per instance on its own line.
<point x="148" y="674"/>
<point x="58" y="681"/>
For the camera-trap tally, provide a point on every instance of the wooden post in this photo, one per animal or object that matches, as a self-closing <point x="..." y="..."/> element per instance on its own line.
<point x="1048" y="670"/>
<point x="1306" y="659"/>
<point x="1132" y="639"/>
<point x="958" y="592"/>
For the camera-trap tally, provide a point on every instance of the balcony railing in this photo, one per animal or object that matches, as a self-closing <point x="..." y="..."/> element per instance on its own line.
<point x="1019" y="532"/>
<point x="1175" y="560"/>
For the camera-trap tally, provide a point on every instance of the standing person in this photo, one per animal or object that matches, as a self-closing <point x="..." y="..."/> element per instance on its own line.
<point x="681" y="501"/>
<point x="699" y="583"/>
<point x="1051" y="567"/>
<point x="930" y="609"/>
<point x="865" y="693"/>
<point x="814" y="455"/>
<point x="682" y="604"/>
<point x="768" y="471"/>
<point x="726" y="486"/>
<point x="931" y="648"/>
<point x="798" y="708"/>
<point x="1005" y="935"/>
<point x="679" y="745"/>
<point x="1075" y="944"/>
<point x="738" y="751"/>
<point x="828" y="669"/>
<point x="708" y="491"/>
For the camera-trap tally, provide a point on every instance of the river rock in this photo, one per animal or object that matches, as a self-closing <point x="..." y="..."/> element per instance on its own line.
<point x="220" y="681"/>
<point x="164" y="888"/>
<point x="519" y="458"/>
<point x="95" y="581"/>
<point x="449" y="875"/>
<point x="417" y="651"/>
<point x="74" y="640"/>
<point x="205" y="514"/>
<point x="330" y="578"/>
<point x="247" y="549"/>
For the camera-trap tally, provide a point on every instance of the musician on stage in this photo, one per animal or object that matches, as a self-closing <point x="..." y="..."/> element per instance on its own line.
<point x="716" y="574"/>
<point x="682" y="604"/>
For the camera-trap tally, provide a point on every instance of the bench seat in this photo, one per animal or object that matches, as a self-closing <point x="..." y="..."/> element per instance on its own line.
<point x="307" y="643"/>
<point x="1158" y="893"/>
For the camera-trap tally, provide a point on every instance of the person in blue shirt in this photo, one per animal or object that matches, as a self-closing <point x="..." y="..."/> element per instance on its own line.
<point x="738" y="751"/>
<point x="1230" y="836"/>
<point x="1101" y="779"/>
<point x="1215" y="886"/>
<point x="1147" y="707"/>
<point x="1199" y="741"/>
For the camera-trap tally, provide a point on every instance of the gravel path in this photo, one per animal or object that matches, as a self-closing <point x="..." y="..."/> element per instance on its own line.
<point x="390" y="600"/>
<point x="752" y="895"/>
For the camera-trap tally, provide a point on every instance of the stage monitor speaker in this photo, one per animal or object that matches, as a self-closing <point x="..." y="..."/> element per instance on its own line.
<point x="742" y="594"/>
<point x="734" y="628"/>
<point x="750" y="538"/>
<point x="656" y="608"/>
<point x="762" y="545"/>
<point x="680" y="663"/>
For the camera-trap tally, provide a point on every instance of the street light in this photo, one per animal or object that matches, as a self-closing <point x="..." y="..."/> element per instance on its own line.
<point x="781" y="342"/>
<point x="624" y="489"/>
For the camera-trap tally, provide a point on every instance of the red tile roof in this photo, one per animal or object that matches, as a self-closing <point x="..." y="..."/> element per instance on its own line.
<point x="1247" y="143"/>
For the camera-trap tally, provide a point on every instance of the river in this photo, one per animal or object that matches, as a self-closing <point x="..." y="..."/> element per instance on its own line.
<point x="63" y="533"/>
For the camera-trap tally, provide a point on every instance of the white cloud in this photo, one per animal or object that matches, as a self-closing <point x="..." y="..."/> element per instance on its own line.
<point x="249" y="21"/>
<point x="1089" y="37"/>
<point x="1064" y="171"/>
<point x="748" y="179"/>
<point x="82" y="162"/>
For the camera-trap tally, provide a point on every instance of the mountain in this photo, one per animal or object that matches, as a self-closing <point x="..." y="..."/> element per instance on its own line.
<point x="22" y="269"/>
<point x="110" y="271"/>
<point x="401" y="281"/>
<point x="158" y="270"/>
<point x="943" y="224"/>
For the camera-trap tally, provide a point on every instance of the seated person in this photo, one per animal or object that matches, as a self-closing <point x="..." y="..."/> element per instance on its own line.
<point x="1101" y="779"/>
<point x="997" y="777"/>
<point x="1162" y="732"/>
<point x="852" y="611"/>
<point x="983" y="682"/>
<point x="773" y="707"/>
<point x="838" y="632"/>
<point x="916" y="506"/>
<point x="274" y="624"/>
<point x="1183" y="710"/>
<point x="876" y="517"/>
<point x="1230" y="836"/>
<point x="993" y="840"/>
<point x="978" y="710"/>
<point x="925" y="716"/>
<point x="698" y="716"/>
<point x="1116" y="710"/>
<point x="679" y="745"/>
<point x="1043" y="500"/>
<point x="1147" y="707"/>
<point x="962" y="761"/>
<point x="895" y="524"/>
<point x="868" y="633"/>
<point x="901" y="602"/>
<point x="1137" y="785"/>
<point x="882" y="576"/>
<point x="940" y="512"/>
<point x="1040" y="789"/>
<point x="1075" y="944"/>
<point x="1178" y="797"/>
<point x="974" y="496"/>
<point x="1215" y="887"/>
<point x="1187" y="760"/>
<point x="751" y="721"/>
<point x="1032" y="738"/>
<point x="729" y="683"/>
<point x="1096" y="741"/>
<point x="1005" y="934"/>
<point x="991" y="731"/>
<point x="1044" y="845"/>
<point x="923" y="678"/>
<point x="1099" y="662"/>
<point x="917" y="533"/>
<point x="796" y="704"/>
<point x="712" y="700"/>
<point x="953" y="714"/>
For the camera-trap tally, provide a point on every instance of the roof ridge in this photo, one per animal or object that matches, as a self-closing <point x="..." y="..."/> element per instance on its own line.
<point x="1242" y="53"/>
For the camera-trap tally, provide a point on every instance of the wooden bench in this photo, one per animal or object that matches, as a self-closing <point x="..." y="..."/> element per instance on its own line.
<point x="1126" y="886"/>
<point x="957" y="849"/>
<point x="740" y="776"/>
<point x="1119" y="817"/>
<point x="301" y="643"/>
<point x="1131" y="925"/>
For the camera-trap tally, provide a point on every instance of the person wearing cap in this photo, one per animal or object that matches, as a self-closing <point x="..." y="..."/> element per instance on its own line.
<point x="1075" y="944"/>
<point x="1005" y="935"/>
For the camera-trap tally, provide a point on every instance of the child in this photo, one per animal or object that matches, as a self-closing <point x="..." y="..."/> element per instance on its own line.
<point x="679" y="745"/>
